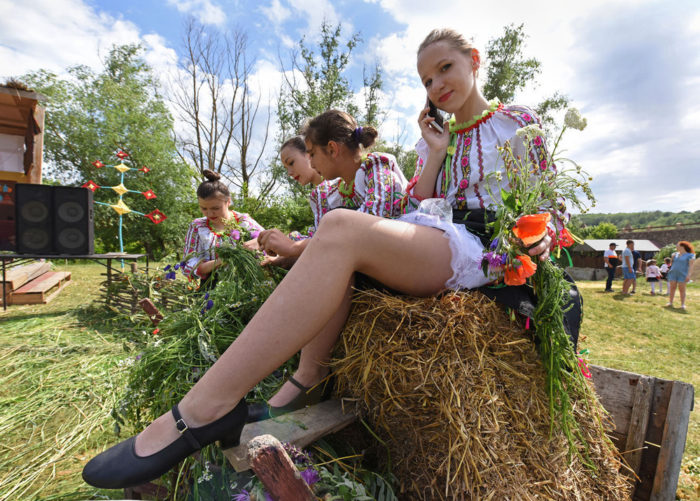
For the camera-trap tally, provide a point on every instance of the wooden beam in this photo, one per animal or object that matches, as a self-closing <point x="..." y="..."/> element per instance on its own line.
<point x="299" y="428"/>
<point x="668" y="466"/>
<point x="639" y="421"/>
<point x="275" y="469"/>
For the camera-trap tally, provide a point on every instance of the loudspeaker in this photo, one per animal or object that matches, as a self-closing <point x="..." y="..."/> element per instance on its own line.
<point x="73" y="226"/>
<point x="34" y="224"/>
<point x="54" y="220"/>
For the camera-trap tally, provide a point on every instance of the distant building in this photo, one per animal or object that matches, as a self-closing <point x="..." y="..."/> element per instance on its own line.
<point x="587" y="258"/>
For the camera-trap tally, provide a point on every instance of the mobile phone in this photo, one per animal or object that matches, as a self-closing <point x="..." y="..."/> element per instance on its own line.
<point x="437" y="115"/>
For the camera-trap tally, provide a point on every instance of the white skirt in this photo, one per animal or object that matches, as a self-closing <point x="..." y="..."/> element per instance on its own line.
<point x="467" y="251"/>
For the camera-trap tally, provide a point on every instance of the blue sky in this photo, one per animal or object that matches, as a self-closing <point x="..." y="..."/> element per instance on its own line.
<point x="631" y="66"/>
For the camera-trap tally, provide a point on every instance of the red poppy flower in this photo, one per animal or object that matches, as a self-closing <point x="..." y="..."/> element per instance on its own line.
<point x="516" y="273"/>
<point x="531" y="228"/>
<point x="565" y="239"/>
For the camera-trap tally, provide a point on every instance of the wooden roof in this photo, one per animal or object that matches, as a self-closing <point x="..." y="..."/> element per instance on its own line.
<point x="16" y="107"/>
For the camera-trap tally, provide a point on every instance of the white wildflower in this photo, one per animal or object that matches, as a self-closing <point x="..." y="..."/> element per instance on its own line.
<point x="574" y="120"/>
<point x="530" y="132"/>
<point x="499" y="176"/>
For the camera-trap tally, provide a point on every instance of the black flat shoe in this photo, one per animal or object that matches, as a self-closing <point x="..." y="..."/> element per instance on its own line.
<point x="119" y="467"/>
<point x="309" y="395"/>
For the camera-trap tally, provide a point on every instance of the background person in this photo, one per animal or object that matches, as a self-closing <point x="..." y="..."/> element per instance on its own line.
<point x="611" y="262"/>
<point x="681" y="269"/>
<point x="628" y="270"/>
<point x="664" y="275"/>
<point x="653" y="274"/>
<point x="637" y="257"/>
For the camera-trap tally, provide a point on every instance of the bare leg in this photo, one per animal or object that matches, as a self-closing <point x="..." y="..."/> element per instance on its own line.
<point x="672" y="291"/>
<point x="409" y="258"/>
<point x="315" y="355"/>
<point x="626" y="285"/>
<point x="681" y="290"/>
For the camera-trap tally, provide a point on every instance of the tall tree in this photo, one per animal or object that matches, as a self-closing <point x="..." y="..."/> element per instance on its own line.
<point x="216" y="105"/>
<point x="92" y="115"/>
<point x="508" y="72"/>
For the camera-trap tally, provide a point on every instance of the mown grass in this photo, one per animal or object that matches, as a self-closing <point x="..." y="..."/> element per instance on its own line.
<point x="60" y="364"/>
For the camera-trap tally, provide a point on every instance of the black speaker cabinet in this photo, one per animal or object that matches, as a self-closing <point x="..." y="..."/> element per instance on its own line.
<point x="34" y="224"/>
<point x="73" y="226"/>
<point x="54" y="220"/>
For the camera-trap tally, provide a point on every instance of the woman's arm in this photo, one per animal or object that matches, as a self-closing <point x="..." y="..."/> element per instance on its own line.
<point x="691" y="262"/>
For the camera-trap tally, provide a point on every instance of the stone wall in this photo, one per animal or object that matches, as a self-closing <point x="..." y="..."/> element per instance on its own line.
<point x="664" y="236"/>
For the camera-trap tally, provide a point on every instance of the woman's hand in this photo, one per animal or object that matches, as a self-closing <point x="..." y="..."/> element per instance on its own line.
<point x="285" y="262"/>
<point x="437" y="141"/>
<point x="542" y="248"/>
<point x="276" y="243"/>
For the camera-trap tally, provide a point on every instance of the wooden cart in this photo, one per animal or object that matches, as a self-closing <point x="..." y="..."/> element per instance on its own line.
<point x="650" y="415"/>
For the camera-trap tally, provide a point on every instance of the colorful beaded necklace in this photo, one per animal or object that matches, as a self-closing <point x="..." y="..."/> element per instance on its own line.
<point x="457" y="129"/>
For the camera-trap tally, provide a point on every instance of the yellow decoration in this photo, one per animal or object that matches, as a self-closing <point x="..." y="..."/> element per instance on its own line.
<point x="122" y="168"/>
<point x="120" y="188"/>
<point x="120" y="208"/>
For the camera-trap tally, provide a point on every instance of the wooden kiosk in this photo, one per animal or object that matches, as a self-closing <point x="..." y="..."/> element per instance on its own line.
<point x="21" y="147"/>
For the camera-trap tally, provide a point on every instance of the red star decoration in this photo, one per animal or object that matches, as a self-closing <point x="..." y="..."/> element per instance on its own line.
<point x="122" y="155"/>
<point x="156" y="216"/>
<point x="91" y="185"/>
<point x="149" y="194"/>
<point x="145" y="169"/>
<point x="98" y="164"/>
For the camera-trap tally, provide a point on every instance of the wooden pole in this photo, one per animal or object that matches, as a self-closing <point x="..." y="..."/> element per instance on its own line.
<point x="275" y="469"/>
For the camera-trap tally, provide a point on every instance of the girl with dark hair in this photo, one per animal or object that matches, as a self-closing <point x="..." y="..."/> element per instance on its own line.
<point x="413" y="259"/>
<point x="207" y="233"/>
<point x="371" y="183"/>
<point x="681" y="270"/>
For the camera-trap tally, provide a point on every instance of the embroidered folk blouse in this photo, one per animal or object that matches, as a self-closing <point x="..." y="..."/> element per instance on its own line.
<point x="475" y="156"/>
<point x="201" y="243"/>
<point x="378" y="188"/>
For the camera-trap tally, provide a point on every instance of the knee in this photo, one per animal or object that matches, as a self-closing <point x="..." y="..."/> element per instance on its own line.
<point x="336" y="224"/>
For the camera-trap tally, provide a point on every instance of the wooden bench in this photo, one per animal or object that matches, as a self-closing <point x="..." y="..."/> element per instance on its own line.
<point x="42" y="289"/>
<point x="650" y="415"/>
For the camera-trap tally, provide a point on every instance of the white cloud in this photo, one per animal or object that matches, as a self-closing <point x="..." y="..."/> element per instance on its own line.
<point x="63" y="33"/>
<point x="205" y="11"/>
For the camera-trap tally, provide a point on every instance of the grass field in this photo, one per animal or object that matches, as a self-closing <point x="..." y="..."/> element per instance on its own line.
<point x="59" y="365"/>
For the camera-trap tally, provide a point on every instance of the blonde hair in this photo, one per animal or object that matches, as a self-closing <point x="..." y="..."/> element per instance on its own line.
<point x="455" y="39"/>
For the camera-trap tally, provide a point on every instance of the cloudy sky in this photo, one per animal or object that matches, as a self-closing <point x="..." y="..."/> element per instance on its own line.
<point x="631" y="66"/>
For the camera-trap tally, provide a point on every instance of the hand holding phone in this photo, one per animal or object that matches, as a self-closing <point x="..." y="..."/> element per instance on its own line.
<point x="438" y="124"/>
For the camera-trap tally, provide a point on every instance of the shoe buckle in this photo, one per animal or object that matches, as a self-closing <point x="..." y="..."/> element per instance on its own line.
<point x="181" y="426"/>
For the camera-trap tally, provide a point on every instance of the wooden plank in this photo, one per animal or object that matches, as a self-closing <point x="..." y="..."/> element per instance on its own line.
<point x="44" y="291"/>
<point x="276" y="470"/>
<point x="299" y="428"/>
<point x="616" y="391"/>
<point x="634" y="445"/>
<point x="668" y="466"/>
<point x="42" y="283"/>
<point x="20" y="275"/>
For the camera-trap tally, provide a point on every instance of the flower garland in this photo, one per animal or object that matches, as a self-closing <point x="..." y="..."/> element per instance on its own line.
<point x="532" y="202"/>
<point x="215" y="232"/>
<point x="345" y="190"/>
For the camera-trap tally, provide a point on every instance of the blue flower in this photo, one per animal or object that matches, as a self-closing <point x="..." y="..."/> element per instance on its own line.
<point x="494" y="244"/>
<point x="202" y="311"/>
<point x="166" y="268"/>
<point x="210" y="303"/>
<point x="177" y="266"/>
<point x="171" y="275"/>
<point x="206" y="296"/>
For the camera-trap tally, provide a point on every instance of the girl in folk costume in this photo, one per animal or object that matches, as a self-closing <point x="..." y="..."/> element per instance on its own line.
<point x="371" y="184"/>
<point x="454" y="161"/>
<point x="323" y="197"/>
<point x="219" y="224"/>
<point x="410" y="258"/>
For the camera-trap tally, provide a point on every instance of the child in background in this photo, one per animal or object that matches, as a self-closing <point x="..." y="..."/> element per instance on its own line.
<point x="653" y="275"/>
<point x="664" y="274"/>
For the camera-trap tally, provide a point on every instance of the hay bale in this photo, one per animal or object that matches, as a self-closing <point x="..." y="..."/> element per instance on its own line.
<point x="456" y="389"/>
